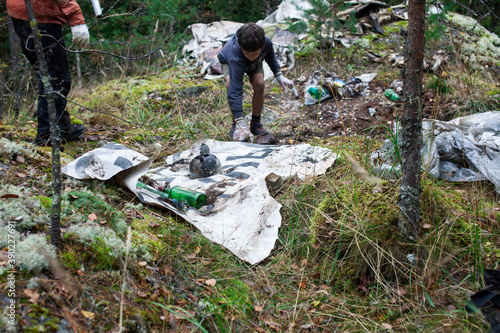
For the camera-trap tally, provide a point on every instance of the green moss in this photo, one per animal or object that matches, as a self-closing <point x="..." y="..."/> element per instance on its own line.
<point x="86" y="203"/>
<point x="70" y="259"/>
<point x="46" y="202"/>
<point x="41" y="320"/>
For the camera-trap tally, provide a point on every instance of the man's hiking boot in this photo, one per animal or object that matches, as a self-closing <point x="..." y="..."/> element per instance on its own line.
<point x="262" y="137"/>
<point x="69" y="132"/>
<point x="42" y="140"/>
<point x="257" y="129"/>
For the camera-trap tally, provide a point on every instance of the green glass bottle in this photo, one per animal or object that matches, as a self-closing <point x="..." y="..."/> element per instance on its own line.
<point x="391" y="94"/>
<point x="185" y="196"/>
<point x="181" y="194"/>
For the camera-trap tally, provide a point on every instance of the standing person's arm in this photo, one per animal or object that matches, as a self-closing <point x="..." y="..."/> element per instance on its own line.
<point x="76" y="21"/>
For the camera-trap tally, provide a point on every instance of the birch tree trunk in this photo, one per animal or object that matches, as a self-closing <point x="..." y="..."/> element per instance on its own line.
<point x="410" y="140"/>
<point x="55" y="133"/>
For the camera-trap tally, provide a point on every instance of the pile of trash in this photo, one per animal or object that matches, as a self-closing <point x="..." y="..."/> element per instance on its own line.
<point x="322" y="86"/>
<point x="223" y="188"/>
<point x="465" y="149"/>
<point x="208" y="39"/>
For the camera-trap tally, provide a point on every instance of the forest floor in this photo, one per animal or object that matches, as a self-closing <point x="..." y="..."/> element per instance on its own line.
<point x="340" y="263"/>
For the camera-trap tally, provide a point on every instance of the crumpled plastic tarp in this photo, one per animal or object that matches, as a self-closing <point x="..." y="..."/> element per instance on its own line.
<point x="207" y="37"/>
<point x="244" y="217"/>
<point x="287" y="10"/>
<point x="461" y="150"/>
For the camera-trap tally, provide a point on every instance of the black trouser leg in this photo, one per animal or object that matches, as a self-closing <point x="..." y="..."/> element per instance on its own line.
<point x="58" y="67"/>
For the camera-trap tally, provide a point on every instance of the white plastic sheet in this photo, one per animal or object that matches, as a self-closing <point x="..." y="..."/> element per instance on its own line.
<point x="461" y="150"/>
<point x="244" y="218"/>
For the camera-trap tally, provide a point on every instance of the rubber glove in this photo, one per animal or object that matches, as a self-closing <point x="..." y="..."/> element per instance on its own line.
<point x="80" y="35"/>
<point x="242" y="132"/>
<point x="284" y="82"/>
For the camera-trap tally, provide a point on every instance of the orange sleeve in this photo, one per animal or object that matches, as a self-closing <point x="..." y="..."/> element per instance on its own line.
<point x="72" y="11"/>
<point x="48" y="11"/>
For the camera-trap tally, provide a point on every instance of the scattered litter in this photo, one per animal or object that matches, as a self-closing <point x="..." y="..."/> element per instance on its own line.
<point x="487" y="300"/>
<point x="464" y="149"/>
<point x="391" y="94"/>
<point x="397" y="85"/>
<point x="240" y="213"/>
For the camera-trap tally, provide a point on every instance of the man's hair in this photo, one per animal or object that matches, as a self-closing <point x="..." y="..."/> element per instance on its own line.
<point x="251" y="37"/>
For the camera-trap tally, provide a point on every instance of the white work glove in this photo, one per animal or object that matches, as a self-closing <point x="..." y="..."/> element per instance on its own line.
<point x="242" y="132"/>
<point x="80" y="35"/>
<point x="284" y="82"/>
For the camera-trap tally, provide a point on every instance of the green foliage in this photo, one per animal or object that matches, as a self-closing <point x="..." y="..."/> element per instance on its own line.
<point x="439" y="84"/>
<point x="435" y="28"/>
<point x="70" y="259"/>
<point x="298" y="27"/>
<point x="206" y="11"/>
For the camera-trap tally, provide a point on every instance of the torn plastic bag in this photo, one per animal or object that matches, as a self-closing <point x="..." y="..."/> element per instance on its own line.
<point x="461" y="150"/>
<point x="314" y="92"/>
<point x="487" y="300"/>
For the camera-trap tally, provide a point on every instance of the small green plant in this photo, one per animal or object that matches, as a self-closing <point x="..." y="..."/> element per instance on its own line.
<point x="439" y="84"/>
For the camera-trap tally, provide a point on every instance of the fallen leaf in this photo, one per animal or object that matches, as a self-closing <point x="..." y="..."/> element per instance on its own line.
<point x="142" y="294"/>
<point x="32" y="294"/>
<point x="306" y="326"/>
<point x="272" y="324"/>
<point x="92" y="217"/>
<point x="186" y="238"/>
<point x="402" y="291"/>
<point x="21" y="175"/>
<point x="4" y="257"/>
<point x="193" y="298"/>
<point x="92" y="137"/>
<point x="79" y="272"/>
<point x="258" y="308"/>
<point x="7" y="196"/>
<point x="426" y="226"/>
<point x="88" y="314"/>
<point x="210" y="282"/>
<point x="387" y="326"/>
<point x="302" y="285"/>
<point x="184" y="315"/>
